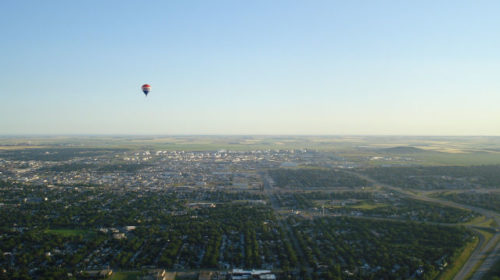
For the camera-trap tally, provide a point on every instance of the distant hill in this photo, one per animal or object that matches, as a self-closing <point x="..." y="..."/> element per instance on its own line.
<point x="403" y="150"/>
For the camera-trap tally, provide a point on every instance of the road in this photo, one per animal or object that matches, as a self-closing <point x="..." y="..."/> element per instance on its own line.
<point x="484" y="255"/>
<point x="490" y="259"/>
<point x="275" y="205"/>
<point x="488" y="254"/>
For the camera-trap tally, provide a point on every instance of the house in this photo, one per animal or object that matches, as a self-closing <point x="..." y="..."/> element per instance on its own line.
<point x="239" y="274"/>
<point x="119" y="236"/>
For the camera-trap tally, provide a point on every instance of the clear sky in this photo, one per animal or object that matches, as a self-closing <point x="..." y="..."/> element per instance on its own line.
<point x="250" y="67"/>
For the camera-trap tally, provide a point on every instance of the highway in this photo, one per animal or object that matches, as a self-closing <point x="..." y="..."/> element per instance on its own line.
<point x="484" y="255"/>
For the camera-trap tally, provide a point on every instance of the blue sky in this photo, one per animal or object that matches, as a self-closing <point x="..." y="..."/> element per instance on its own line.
<point x="250" y="67"/>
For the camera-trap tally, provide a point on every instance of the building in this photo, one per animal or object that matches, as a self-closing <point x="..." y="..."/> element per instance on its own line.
<point x="240" y="274"/>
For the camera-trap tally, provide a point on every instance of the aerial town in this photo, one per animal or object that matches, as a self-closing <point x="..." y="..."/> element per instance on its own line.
<point x="94" y="213"/>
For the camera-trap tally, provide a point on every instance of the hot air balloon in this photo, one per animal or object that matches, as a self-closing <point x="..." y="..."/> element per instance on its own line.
<point x="146" y="88"/>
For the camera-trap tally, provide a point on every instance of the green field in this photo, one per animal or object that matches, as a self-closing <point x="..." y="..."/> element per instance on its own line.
<point x="125" y="275"/>
<point x="68" y="232"/>
<point x="368" y="206"/>
<point x="359" y="149"/>
<point x="363" y="205"/>
<point x="479" y="220"/>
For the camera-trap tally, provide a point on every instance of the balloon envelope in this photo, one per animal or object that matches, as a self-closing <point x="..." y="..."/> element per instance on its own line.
<point x="146" y="88"/>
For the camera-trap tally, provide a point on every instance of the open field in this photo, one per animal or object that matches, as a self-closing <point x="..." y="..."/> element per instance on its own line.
<point x="477" y="220"/>
<point x="21" y="147"/>
<point x="361" y="206"/>
<point x="371" y="150"/>
<point x="69" y="232"/>
<point x="125" y="275"/>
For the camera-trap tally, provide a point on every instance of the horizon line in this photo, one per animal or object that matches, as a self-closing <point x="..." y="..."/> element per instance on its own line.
<point x="240" y="135"/>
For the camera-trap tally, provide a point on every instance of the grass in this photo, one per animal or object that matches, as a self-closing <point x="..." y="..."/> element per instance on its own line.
<point x="368" y="206"/>
<point x="487" y="223"/>
<point x="125" y="275"/>
<point x="458" y="159"/>
<point x="486" y="234"/>
<point x="68" y="232"/>
<point x="455" y="267"/>
<point x="363" y="205"/>
<point x="477" y="220"/>
<point x="494" y="224"/>
<point x="9" y="148"/>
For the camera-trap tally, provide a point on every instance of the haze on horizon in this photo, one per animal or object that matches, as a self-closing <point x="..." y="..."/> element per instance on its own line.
<point x="250" y="67"/>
